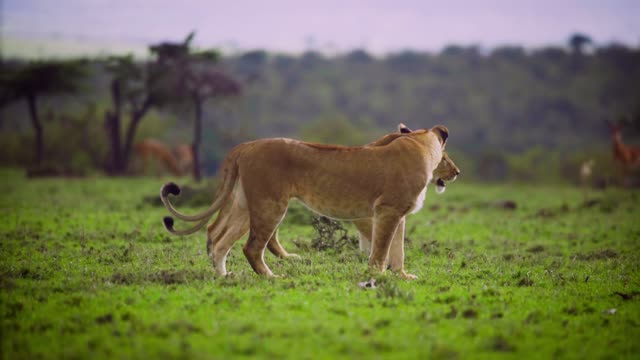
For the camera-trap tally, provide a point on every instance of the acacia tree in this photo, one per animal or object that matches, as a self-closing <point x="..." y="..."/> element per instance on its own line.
<point x="132" y="90"/>
<point x="203" y="86"/>
<point x="135" y="89"/>
<point x="194" y="79"/>
<point x="577" y="42"/>
<point x="37" y="79"/>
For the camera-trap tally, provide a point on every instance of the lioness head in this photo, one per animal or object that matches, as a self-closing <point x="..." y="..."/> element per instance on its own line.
<point x="446" y="171"/>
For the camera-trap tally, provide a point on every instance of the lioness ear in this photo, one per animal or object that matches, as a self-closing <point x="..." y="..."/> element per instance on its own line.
<point x="442" y="132"/>
<point x="402" y="128"/>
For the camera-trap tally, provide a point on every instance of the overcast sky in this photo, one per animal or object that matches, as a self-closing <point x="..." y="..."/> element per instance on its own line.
<point x="326" y="25"/>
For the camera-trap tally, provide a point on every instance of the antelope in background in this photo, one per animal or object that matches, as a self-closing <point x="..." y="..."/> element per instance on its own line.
<point x="628" y="157"/>
<point x="177" y="162"/>
<point x="184" y="153"/>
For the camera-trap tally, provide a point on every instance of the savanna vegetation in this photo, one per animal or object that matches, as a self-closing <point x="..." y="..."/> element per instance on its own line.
<point x="514" y="260"/>
<point x="537" y="271"/>
<point x="514" y="113"/>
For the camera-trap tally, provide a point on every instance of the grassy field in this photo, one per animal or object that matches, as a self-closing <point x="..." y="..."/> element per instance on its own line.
<point x="87" y="270"/>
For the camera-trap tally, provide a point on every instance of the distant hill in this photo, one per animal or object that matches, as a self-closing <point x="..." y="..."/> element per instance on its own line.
<point x="58" y="47"/>
<point x="509" y="108"/>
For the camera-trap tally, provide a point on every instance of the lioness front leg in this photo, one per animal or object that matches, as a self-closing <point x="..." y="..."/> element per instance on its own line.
<point x="365" y="228"/>
<point x="265" y="219"/>
<point x="385" y="223"/>
<point x="396" y="252"/>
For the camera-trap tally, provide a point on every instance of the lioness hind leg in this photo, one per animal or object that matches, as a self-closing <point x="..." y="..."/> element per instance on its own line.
<point x="232" y="223"/>
<point x="263" y="226"/>
<point x="221" y="250"/>
<point x="276" y="248"/>
<point x="218" y="227"/>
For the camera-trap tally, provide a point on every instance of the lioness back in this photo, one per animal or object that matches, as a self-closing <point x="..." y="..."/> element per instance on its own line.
<point x="339" y="182"/>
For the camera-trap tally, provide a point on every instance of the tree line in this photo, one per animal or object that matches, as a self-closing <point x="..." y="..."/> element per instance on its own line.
<point x="176" y="74"/>
<point x="509" y="109"/>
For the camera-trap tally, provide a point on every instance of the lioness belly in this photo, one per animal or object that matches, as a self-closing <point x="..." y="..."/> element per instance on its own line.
<point x="341" y="209"/>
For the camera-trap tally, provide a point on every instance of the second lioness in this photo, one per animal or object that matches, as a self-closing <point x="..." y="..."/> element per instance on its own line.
<point x="445" y="171"/>
<point x="382" y="182"/>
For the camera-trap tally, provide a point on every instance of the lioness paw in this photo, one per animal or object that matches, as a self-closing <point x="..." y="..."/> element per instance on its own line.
<point x="406" y="276"/>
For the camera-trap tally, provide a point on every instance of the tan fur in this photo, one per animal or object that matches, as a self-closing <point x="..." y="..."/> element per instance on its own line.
<point x="155" y="150"/>
<point x="152" y="149"/>
<point x="184" y="155"/>
<point x="447" y="171"/>
<point x="626" y="155"/>
<point x="379" y="182"/>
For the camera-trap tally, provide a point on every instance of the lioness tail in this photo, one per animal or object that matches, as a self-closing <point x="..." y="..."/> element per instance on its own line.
<point x="230" y="170"/>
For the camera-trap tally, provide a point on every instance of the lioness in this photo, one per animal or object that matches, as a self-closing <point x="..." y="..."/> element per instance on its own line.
<point x="374" y="185"/>
<point x="445" y="171"/>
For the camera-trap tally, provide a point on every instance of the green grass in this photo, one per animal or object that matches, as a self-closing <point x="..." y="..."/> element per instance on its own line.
<point x="87" y="270"/>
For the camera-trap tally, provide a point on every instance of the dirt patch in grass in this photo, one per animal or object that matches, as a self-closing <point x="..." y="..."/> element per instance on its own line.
<point x="431" y="248"/>
<point x="501" y="344"/>
<point x="589" y="203"/>
<point x="104" y="319"/>
<point x="166" y="277"/>
<point x="6" y="283"/>
<point x="629" y="296"/>
<point x="28" y="273"/>
<point x="536" y="249"/>
<point x="13" y="309"/>
<point x="597" y="255"/>
<point x="606" y="206"/>
<point x="552" y="212"/>
<point x="525" y="281"/>
<point x="499" y="204"/>
<point x="575" y="310"/>
<point x="446" y="300"/>
<point x="508" y="257"/>
<point x="444" y="352"/>
<point x="184" y="327"/>
<point x="534" y="317"/>
<point x="470" y="314"/>
<point x="171" y="277"/>
<point x="453" y="312"/>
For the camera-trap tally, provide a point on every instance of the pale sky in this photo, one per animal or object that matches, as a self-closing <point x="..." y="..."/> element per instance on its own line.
<point x="326" y="25"/>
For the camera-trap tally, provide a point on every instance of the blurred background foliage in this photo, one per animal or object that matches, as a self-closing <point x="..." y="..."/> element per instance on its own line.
<point x="514" y="114"/>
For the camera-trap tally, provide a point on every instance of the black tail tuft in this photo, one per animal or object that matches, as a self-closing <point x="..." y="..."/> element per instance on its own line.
<point x="170" y="188"/>
<point x="168" y="222"/>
